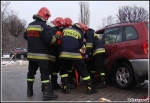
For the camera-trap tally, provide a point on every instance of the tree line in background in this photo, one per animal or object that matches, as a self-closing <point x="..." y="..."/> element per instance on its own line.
<point x="13" y="27"/>
<point x="125" y="14"/>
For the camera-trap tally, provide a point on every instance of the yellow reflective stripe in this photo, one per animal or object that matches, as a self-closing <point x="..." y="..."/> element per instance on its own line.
<point x="34" y="27"/>
<point x="38" y="57"/>
<point x="89" y="88"/>
<point x="30" y="79"/>
<point x="53" y="41"/>
<point x="93" y="71"/>
<point x="70" y="55"/>
<point x="102" y="73"/>
<point x="64" y="75"/>
<point x="41" y="56"/>
<point x="64" y="87"/>
<point x="71" y="32"/>
<point x="54" y="73"/>
<point x="99" y="50"/>
<point x="90" y="45"/>
<point x="96" y="35"/>
<point x="69" y="70"/>
<point x="86" y="78"/>
<point x="45" y="81"/>
<point x="37" y="29"/>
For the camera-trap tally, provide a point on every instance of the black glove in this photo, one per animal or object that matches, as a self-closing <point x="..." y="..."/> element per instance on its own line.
<point x="88" y="51"/>
<point x="57" y="28"/>
<point x="62" y="28"/>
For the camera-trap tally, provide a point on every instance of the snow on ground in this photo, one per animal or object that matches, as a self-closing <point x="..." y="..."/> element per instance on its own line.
<point x="13" y="63"/>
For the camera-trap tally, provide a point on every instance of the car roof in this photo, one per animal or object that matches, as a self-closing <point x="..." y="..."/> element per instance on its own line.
<point x="20" y="48"/>
<point x="119" y="24"/>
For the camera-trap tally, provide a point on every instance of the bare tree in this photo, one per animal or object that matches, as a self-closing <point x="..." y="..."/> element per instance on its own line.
<point x="15" y="26"/>
<point x="8" y="40"/>
<point x="4" y="10"/>
<point x="129" y="13"/>
<point x="107" y="21"/>
<point x="4" y="13"/>
<point x="84" y="13"/>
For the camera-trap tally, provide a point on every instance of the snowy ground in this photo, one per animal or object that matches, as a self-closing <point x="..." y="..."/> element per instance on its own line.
<point x="12" y="62"/>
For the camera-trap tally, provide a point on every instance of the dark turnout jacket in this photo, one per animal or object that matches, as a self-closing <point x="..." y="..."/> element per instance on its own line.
<point x="94" y="44"/>
<point x="71" y="42"/>
<point x="40" y="39"/>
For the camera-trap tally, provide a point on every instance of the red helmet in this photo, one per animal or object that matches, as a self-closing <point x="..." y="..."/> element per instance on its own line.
<point x="59" y="22"/>
<point x="86" y="27"/>
<point x="80" y="26"/>
<point x="68" y="22"/>
<point x="44" y="12"/>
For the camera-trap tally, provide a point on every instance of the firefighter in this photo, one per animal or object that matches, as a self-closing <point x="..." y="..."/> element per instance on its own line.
<point x="39" y="37"/>
<point x="68" y="23"/>
<point x="57" y="23"/>
<point x="69" y="53"/>
<point x="95" y="49"/>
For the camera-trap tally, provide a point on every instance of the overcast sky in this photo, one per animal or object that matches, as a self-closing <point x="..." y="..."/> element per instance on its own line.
<point x="98" y="9"/>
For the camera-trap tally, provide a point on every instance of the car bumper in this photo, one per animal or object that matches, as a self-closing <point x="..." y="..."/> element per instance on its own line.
<point x="140" y="67"/>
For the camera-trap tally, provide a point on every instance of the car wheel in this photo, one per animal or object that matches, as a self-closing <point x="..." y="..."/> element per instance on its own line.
<point x="21" y="56"/>
<point x="124" y="76"/>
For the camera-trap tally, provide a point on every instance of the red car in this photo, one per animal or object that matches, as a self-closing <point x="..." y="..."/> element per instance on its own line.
<point x="126" y="57"/>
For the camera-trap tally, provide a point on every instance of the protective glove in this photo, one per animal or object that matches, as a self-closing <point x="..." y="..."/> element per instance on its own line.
<point x="86" y="55"/>
<point x="58" y="37"/>
<point x="88" y="51"/>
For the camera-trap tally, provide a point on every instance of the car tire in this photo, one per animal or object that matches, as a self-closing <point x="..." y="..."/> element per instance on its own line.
<point x="21" y="56"/>
<point x="124" y="76"/>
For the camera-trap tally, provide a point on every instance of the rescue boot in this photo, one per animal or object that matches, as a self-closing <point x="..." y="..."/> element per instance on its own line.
<point x="48" y="92"/>
<point x="29" y="88"/>
<point x="102" y="82"/>
<point x="55" y="85"/>
<point x="90" y="87"/>
<point x="92" y="75"/>
<point x="71" y="82"/>
<point x="65" y="86"/>
<point x="43" y="89"/>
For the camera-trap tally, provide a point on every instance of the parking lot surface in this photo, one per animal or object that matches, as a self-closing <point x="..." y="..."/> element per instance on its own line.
<point x="14" y="88"/>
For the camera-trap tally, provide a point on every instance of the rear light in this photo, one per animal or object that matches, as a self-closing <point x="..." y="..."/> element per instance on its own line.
<point x="145" y="47"/>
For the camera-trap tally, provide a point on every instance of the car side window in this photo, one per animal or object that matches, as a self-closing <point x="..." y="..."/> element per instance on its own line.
<point x="111" y="36"/>
<point x="130" y="33"/>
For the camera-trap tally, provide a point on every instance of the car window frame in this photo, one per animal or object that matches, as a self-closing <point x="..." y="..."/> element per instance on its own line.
<point x="120" y="28"/>
<point x="124" y="33"/>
